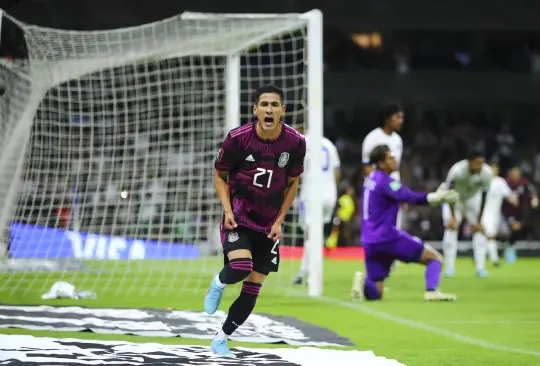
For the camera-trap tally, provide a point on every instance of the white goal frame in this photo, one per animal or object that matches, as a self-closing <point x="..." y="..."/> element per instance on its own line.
<point x="54" y="70"/>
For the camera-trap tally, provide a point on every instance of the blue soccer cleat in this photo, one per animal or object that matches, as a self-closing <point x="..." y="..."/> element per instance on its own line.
<point x="213" y="297"/>
<point x="510" y="255"/>
<point x="482" y="273"/>
<point x="449" y="272"/>
<point x="220" y="348"/>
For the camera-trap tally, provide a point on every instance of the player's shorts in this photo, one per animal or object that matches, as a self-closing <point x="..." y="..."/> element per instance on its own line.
<point x="264" y="251"/>
<point x="380" y="256"/>
<point x="328" y="210"/>
<point x="469" y="210"/>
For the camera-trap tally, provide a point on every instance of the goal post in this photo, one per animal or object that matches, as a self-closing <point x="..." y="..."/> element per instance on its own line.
<point x="111" y="137"/>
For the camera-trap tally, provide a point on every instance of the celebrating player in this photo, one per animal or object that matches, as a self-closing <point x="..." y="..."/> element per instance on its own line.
<point x="514" y="215"/>
<point x="383" y="242"/>
<point x="470" y="177"/>
<point x="257" y="172"/>
<point x="330" y="166"/>
<point x="498" y="192"/>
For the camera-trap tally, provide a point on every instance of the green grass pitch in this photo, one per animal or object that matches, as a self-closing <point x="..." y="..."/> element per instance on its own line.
<point x="496" y="320"/>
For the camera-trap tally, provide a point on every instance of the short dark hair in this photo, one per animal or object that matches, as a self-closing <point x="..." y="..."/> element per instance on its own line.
<point x="475" y="154"/>
<point x="378" y="154"/>
<point x="387" y="110"/>
<point x="268" y="88"/>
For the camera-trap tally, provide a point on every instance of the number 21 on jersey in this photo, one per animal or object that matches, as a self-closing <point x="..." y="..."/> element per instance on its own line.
<point x="262" y="175"/>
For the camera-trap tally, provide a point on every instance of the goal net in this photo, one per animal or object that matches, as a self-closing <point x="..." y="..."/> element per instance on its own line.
<point x="108" y="139"/>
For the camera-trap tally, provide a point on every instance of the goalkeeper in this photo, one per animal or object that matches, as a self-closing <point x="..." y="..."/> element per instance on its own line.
<point x="383" y="242"/>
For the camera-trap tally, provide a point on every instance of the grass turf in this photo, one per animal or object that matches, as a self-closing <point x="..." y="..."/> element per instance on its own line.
<point x="495" y="322"/>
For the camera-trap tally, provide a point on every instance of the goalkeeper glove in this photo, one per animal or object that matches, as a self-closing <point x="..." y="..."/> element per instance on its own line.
<point x="442" y="195"/>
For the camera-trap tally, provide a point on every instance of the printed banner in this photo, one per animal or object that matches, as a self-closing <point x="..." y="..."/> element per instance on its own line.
<point x="29" y="241"/>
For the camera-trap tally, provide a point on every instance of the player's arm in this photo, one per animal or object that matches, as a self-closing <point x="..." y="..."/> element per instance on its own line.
<point x="402" y="194"/>
<point x="337" y="165"/>
<point x="367" y="146"/>
<point x="225" y="162"/>
<point x="487" y="178"/>
<point x="288" y="198"/>
<point x="534" y="195"/>
<point x="296" y="168"/>
<point x="507" y="193"/>
<point x="222" y="189"/>
<point x="450" y="184"/>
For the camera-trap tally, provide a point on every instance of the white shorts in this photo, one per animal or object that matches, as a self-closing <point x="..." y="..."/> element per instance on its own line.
<point x="468" y="210"/>
<point x="328" y="210"/>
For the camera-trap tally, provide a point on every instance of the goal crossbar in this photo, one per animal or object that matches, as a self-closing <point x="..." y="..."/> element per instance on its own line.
<point x="121" y="48"/>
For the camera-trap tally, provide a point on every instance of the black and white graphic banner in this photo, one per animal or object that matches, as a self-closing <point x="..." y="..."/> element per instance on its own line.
<point x="33" y="351"/>
<point x="167" y="323"/>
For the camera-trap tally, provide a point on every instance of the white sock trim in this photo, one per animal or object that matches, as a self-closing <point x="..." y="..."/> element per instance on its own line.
<point x="218" y="282"/>
<point x="220" y="336"/>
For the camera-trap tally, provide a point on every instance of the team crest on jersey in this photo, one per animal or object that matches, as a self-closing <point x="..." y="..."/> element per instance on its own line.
<point x="283" y="159"/>
<point x="233" y="236"/>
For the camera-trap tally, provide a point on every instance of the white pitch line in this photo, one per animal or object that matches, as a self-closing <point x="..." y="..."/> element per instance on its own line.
<point x="486" y="322"/>
<point x="428" y="328"/>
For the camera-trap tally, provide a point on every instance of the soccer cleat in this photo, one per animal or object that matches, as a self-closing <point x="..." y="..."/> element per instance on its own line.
<point x="220" y="348"/>
<point x="482" y="273"/>
<point x="213" y="297"/>
<point x="298" y="280"/>
<point x="357" y="290"/>
<point x="510" y="255"/>
<point x="439" y="296"/>
<point x="449" y="272"/>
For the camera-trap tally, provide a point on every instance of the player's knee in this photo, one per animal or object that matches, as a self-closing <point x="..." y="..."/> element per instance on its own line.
<point x="256" y="277"/>
<point x="239" y="269"/>
<point x="430" y="254"/>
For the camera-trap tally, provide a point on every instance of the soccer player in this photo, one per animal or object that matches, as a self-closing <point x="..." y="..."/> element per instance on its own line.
<point x="514" y="215"/>
<point x="330" y="166"/>
<point x="498" y="192"/>
<point x="470" y="177"/>
<point x="383" y="242"/>
<point x="390" y="118"/>
<point x="257" y="171"/>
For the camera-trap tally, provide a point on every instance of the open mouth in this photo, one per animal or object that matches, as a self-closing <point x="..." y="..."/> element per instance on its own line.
<point x="268" y="121"/>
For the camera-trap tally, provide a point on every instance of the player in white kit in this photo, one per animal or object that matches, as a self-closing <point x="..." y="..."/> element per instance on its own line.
<point x="498" y="192"/>
<point x="330" y="166"/>
<point x="470" y="178"/>
<point x="390" y="118"/>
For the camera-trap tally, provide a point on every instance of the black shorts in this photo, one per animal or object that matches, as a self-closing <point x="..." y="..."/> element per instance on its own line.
<point x="264" y="251"/>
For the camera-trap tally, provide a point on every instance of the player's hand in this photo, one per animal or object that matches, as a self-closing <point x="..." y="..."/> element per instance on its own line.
<point x="534" y="203"/>
<point x="513" y="200"/>
<point x="404" y="206"/>
<point x="275" y="232"/>
<point x="516" y="226"/>
<point x="452" y="224"/>
<point x="450" y="196"/>
<point x="229" y="223"/>
<point x="478" y="228"/>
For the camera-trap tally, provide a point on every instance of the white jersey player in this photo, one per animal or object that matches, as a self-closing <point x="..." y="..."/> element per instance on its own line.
<point x="330" y="166"/>
<point x="471" y="178"/>
<point x="498" y="192"/>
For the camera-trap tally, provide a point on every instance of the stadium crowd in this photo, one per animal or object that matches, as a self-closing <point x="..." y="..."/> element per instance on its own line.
<point x="141" y="166"/>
